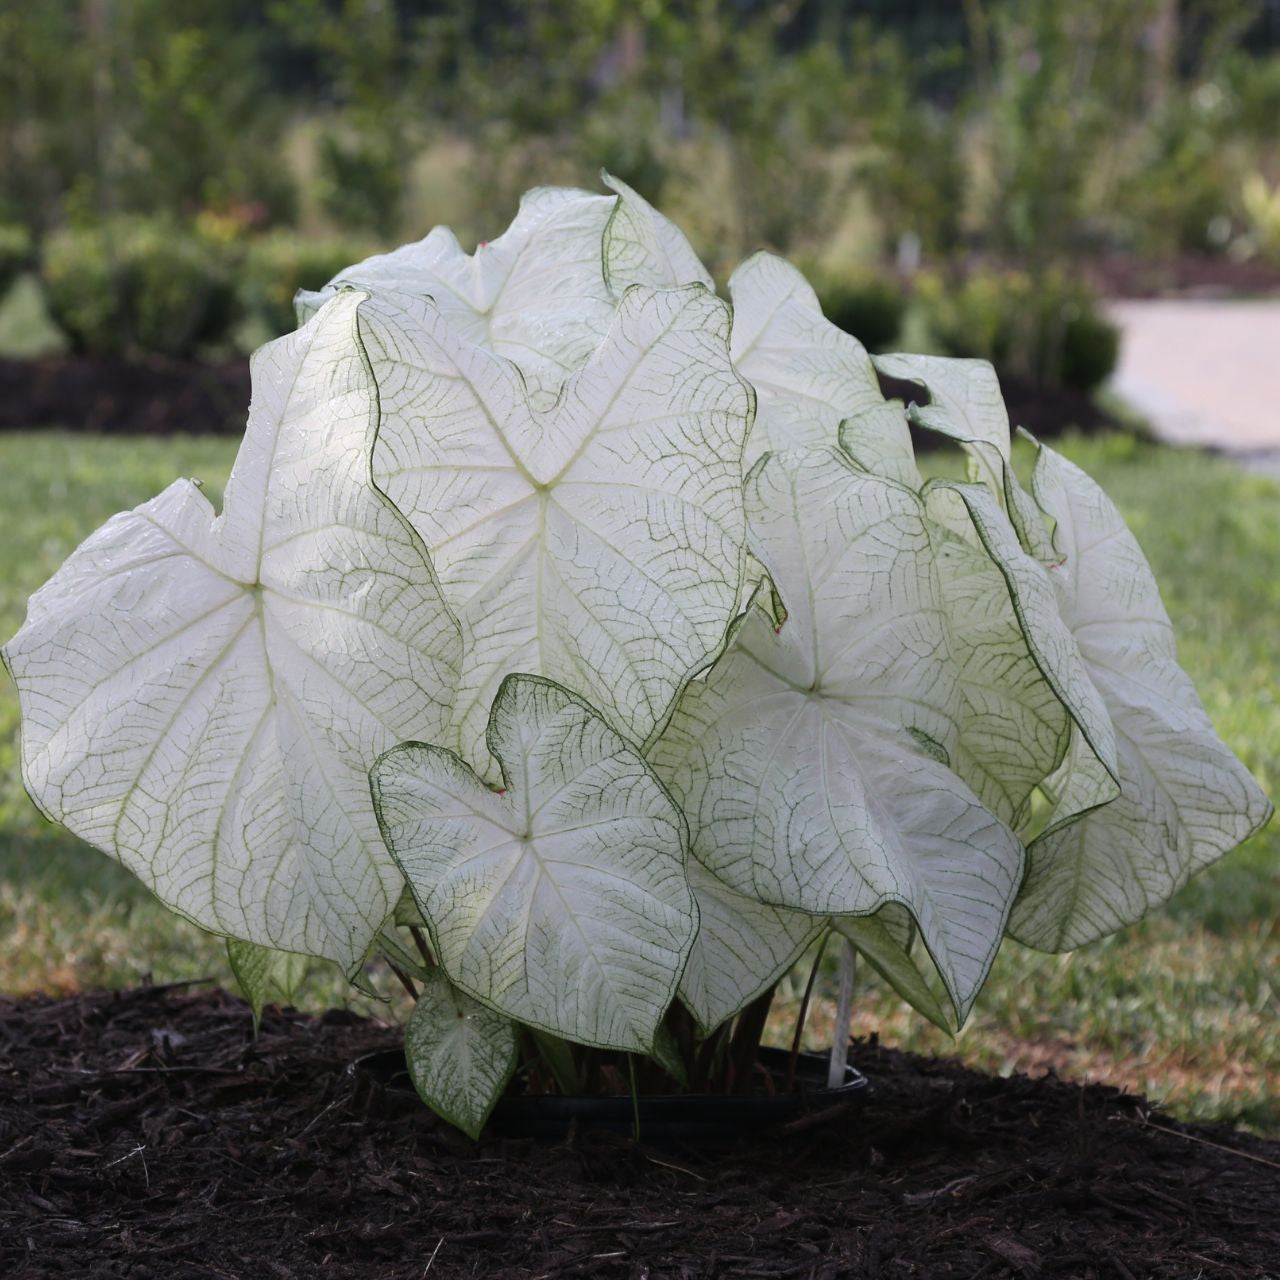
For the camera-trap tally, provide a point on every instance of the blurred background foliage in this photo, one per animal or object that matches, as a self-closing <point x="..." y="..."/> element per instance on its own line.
<point x="968" y="167"/>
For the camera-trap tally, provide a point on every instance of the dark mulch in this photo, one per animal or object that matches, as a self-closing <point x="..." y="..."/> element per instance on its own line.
<point x="155" y="396"/>
<point x="145" y="1134"/>
<point x="1185" y="275"/>
<point x="1049" y="412"/>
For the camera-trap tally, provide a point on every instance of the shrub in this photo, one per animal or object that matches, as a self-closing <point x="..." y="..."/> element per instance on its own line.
<point x="361" y="181"/>
<point x="480" y="648"/>
<point x="1048" y="331"/>
<point x="868" y="306"/>
<point x="279" y="264"/>
<point x="130" y="285"/>
<point x="1090" y="349"/>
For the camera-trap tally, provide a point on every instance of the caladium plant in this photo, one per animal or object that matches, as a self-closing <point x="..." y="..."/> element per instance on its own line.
<point x="589" y="646"/>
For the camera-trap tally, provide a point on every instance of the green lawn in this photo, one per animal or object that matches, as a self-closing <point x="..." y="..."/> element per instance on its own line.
<point x="1183" y="1006"/>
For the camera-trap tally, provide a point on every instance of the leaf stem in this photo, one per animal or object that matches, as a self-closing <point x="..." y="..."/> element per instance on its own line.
<point x="746" y="1041"/>
<point x="405" y="981"/>
<point x="557" y="1054"/>
<point x="424" y="948"/>
<point x="705" y="1061"/>
<point x="844" y="1011"/>
<point x="635" y="1097"/>
<point x="794" y="1058"/>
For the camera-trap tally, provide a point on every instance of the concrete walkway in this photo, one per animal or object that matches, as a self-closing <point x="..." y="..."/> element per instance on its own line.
<point x="1204" y="373"/>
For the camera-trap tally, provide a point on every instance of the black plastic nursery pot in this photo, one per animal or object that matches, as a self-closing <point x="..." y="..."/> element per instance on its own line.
<point x="706" y="1117"/>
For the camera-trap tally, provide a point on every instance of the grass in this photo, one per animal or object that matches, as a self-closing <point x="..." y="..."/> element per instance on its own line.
<point x="1183" y="1007"/>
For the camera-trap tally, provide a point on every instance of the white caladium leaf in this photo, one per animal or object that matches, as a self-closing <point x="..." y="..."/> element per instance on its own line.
<point x="1082" y="782"/>
<point x="896" y="921"/>
<point x="203" y="695"/>
<point x="666" y="1053"/>
<point x="876" y="941"/>
<point x="1184" y="797"/>
<point x="641" y="246"/>
<point x="878" y="440"/>
<point x="264" y="974"/>
<point x="965" y="405"/>
<point x="809" y="375"/>
<point x="560" y="901"/>
<point x="251" y="965"/>
<point x="390" y="946"/>
<point x="405" y="913"/>
<point x="460" y="1054"/>
<point x="812" y="760"/>
<point x="1013" y="730"/>
<point x="600" y="543"/>
<point x="743" y="947"/>
<point x="1086" y="777"/>
<point x="537" y="294"/>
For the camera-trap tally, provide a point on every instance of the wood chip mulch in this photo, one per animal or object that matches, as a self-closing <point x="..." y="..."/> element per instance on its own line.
<point x="145" y="1133"/>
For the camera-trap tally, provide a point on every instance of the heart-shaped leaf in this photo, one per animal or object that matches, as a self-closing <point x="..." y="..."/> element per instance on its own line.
<point x="459" y="1052"/>
<point x="203" y="695"/>
<point x="964" y="396"/>
<point x="812" y="760"/>
<point x="600" y="543"/>
<point x="560" y="901"/>
<point x="1184" y="797"/>
<point x="263" y="974"/>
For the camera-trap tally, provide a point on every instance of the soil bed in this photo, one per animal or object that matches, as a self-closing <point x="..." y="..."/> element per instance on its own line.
<point x="155" y="396"/>
<point x="1187" y="275"/>
<point x="145" y="1134"/>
